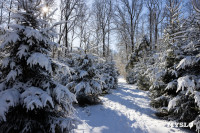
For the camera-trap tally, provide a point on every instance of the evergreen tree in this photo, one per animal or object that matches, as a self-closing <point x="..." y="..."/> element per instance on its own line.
<point x="164" y="71"/>
<point x="185" y="105"/>
<point x="89" y="77"/>
<point x="108" y="75"/>
<point x="177" y="94"/>
<point x="83" y="80"/>
<point x="30" y="99"/>
<point x="137" y="64"/>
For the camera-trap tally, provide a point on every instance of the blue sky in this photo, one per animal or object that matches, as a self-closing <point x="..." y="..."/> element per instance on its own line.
<point x="113" y="38"/>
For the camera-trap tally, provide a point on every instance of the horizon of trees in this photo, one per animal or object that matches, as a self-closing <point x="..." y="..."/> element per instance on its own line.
<point x="100" y="25"/>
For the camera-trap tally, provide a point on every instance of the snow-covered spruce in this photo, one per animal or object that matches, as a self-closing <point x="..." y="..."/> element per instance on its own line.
<point x="89" y="76"/>
<point x="30" y="100"/>
<point x="187" y="104"/>
<point x="83" y="79"/>
<point x="108" y="76"/>
<point x="135" y="67"/>
<point x="176" y="90"/>
<point x="173" y="72"/>
<point x="163" y="74"/>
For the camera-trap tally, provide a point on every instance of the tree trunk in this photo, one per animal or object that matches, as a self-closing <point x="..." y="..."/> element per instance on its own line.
<point x="1" y="19"/>
<point x="104" y="48"/>
<point x="11" y="1"/>
<point x="108" y="39"/>
<point x="66" y="39"/>
<point x="81" y="36"/>
<point x="126" y="52"/>
<point x="132" y="35"/>
<point x="156" y="33"/>
<point x="97" y="41"/>
<point x="150" y="27"/>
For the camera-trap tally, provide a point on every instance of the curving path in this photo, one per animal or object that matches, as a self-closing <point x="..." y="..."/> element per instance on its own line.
<point x="126" y="110"/>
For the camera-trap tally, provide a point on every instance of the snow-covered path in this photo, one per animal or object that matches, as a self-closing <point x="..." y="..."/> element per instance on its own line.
<point x="126" y="110"/>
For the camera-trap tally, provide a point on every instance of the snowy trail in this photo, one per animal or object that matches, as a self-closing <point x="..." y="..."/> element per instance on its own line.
<point x="126" y="110"/>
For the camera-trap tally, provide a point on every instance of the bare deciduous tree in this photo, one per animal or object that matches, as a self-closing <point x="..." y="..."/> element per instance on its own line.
<point x="69" y="13"/>
<point x="102" y="10"/>
<point x="128" y="13"/>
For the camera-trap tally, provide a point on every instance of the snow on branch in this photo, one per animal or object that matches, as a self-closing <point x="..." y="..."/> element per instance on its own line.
<point x="64" y="97"/>
<point x="34" y="97"/>
<point x="187" y="61"/>
<point x="22" y="51"/>
<point x="41" y="59"/>
<point x="186" y="82"/>
<point x="9" y="37"/>
<point x="171" y="85"/>
<point x="194" y="3"/>
<point x="5" y="62"/>
<point x="197" y="98"/>
<point x="173" y="102"/>
<point x="11" y="75"/>
<point x="62" y="67"/>
<point x="8" y="98"/>
<point x="80" y="86"/>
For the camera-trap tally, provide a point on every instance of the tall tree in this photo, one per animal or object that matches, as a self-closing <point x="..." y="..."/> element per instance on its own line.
<point x="128" y="12"/>
<point x="159" y="15"/>
<point x="9" y="14"/>
<point x="150" y="6"/>
<point x="1" y="11"/>
<point x="103" y="13"/>
<point x="31" y="100"/>
<point x="69" y="13"/>
<point x="83" y="23"/>
<point x="174" y="15"/>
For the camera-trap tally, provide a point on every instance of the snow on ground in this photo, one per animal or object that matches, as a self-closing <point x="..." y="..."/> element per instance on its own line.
<point x="125" y="110"/>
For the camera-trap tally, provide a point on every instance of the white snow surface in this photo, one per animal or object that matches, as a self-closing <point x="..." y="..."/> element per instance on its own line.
<point x="125" y="110"/>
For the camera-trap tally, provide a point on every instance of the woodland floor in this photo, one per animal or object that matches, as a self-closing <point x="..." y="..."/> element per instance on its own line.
<point x="125" y="110"/>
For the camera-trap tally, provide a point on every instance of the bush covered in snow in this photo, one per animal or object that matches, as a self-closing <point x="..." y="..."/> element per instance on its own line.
<point x="84" y="81"/>
<point x="175" y="83"/>
<point x="30" y="100"/>
<point x="137" y="66"/>
<point x="89" y="77"/>
<point x="108" y="75"/>
<point x="171" y="73"/>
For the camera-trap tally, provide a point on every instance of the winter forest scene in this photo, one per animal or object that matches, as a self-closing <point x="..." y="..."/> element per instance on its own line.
<point x="99" y="66"/>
